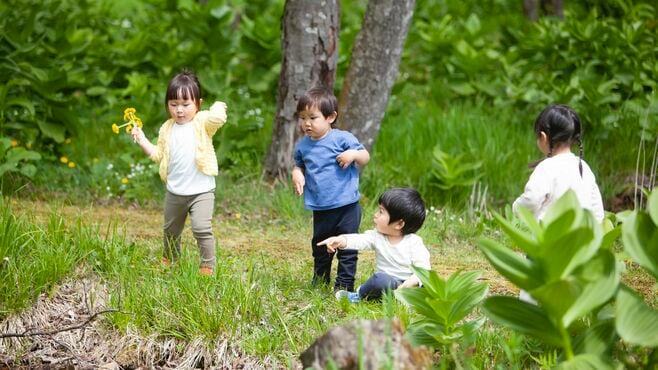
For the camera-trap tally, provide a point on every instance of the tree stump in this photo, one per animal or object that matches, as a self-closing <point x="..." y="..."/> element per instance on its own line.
<point x="366" y="344"/>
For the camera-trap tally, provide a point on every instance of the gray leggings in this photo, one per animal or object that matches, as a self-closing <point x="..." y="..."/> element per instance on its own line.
<point x="200" y="207"/>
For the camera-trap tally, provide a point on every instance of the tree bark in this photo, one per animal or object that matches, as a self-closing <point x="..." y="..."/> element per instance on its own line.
<point x="374" y="67"/>
<point x="309" y="44"/>
<point x="533" y="8"/>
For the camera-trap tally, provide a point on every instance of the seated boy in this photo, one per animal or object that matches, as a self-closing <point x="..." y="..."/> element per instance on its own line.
<point x="401" y="213"/>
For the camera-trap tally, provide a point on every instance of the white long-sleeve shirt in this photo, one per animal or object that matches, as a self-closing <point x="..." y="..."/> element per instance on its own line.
<point x="394" y="260"/>
<point x="552" y="178"/>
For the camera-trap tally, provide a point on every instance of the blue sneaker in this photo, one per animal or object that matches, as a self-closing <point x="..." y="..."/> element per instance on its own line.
<point x="352" y="297"/>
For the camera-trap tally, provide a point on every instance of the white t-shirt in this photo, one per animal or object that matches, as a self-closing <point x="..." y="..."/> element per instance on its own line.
<point x="552" y="178"/>
<point x="394" y="260"/>
<point x="184" y="178"/>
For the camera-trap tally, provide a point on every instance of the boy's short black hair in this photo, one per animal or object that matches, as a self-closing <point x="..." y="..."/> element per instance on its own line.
<point x="319" y="97"/>
<point x="404" y="204"/>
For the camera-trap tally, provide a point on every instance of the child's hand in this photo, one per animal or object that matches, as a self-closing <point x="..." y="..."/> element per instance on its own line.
<point x="219" y="108"/>
<point x="298" y="181"/>
<point x="138" y="134"/>
<point x="333" y="243"/>
<point x="346" y="158"/>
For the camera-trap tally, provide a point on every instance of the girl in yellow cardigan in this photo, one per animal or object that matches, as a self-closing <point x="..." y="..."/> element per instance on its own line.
<point x="188" y="166"/>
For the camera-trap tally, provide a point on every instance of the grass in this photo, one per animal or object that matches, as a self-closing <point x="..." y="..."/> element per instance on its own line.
<point x="259" y="300"/>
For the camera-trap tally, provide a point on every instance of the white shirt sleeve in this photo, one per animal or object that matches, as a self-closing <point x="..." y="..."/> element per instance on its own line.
<point x="536" y="192"/>
<point x="362" y="242"/>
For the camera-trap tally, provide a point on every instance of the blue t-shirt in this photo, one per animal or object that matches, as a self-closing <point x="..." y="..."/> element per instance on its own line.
<point x="327" y="185"/>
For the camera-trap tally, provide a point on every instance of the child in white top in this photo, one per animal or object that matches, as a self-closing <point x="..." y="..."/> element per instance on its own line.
<point x="400" y="214"/>
<point x="557" y="128"/>
<point x="188" y="166"/>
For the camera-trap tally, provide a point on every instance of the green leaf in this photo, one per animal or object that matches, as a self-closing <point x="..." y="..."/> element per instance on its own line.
<point x="415" y="298"/>
<point x="640" y="237"/>
<point x="51" y="130"/>
<point x="565" y="203"/>
<point x="601" y="279"/>
<point x="522" y="317"/>
<point x="586" y="362"/>
<point x="526" y="242"/>
<point x="596" y="339"/>
<point x="652" y="206"/>
<point x="22" y="102"/>
<point x="516" y="268"/>
<point x="558" y="257"/>
<point x="636" y="322"/>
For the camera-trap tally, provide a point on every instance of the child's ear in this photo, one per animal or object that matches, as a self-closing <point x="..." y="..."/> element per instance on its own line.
<point x="332" y="117"/>
<point x="198" y="106"/>
<point x="399" y="225"/>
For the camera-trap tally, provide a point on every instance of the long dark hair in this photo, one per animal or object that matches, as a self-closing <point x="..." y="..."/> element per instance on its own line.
<point x="562" y="126"/>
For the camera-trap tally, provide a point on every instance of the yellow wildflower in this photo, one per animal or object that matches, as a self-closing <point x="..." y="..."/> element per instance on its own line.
<point x="14" y="142"/>
<point x="115" y="128"/>
<point x="128" y="114"/>
<point x="72" y="164"/>
<point x="124" y="180"/>
<point x="131" y="121"/>
<point x="64" y="159"/>
<point x="129" y="128"/>
<point x="237" y="216"/>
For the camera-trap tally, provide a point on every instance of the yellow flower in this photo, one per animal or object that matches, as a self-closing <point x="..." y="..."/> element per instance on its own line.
<point x="129" y="128"/>
<point x="115" y="128"/>
<point x="64" y="159"/>
<point x="237" y="216"/>
<point x="14" y="142"/>
<point x="128" y="114"/>
<point x="124" y="180"/>
<point x="72" y="164"/>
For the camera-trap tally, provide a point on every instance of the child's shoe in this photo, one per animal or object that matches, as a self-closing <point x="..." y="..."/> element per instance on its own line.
<point x="205" y="271"/>
<point x="352" y="297"/>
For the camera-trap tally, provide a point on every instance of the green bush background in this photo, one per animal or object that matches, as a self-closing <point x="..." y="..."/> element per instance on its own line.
<point x="472" y="78"/>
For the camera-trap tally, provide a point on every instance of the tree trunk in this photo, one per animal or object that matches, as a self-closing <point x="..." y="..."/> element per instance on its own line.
<point x="309" y="44"/>
<point x="374" y="67"/>
<point x="533" y="8"/>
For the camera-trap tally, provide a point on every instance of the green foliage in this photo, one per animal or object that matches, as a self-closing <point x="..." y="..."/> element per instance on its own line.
<point x="453" y="172"/>
<point x="443" y="306"/>
<point x="572" y="274"/>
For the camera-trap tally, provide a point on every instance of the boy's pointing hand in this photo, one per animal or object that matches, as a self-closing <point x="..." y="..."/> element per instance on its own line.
<point x="333" y="243"/>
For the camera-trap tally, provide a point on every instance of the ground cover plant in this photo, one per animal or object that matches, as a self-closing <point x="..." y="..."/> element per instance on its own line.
<point x="80" y="210"/>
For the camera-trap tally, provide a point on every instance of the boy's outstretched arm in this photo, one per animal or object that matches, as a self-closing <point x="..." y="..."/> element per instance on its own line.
<point x="410" y="283"/>
<point x="333" y="243"/>
<point x="361" y="157"/>
<point x="140" y="138"/>
<point x="298" y="180"/>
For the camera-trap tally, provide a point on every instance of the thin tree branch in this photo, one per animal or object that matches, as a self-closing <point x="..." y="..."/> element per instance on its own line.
<point x="91" y="318"/>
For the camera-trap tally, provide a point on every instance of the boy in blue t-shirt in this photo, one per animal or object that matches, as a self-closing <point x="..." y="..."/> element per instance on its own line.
<point x="325" y="172"/>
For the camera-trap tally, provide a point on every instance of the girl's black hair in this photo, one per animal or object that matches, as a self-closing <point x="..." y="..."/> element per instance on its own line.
<point x="404" y="204"/>
<point x="562" y="126"/>
<point x="320" y="97"/>
<point x="185" y="85"/>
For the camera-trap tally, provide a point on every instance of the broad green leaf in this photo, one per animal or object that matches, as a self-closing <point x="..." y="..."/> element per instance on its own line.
<point x="526" y="242"/>
<point x="585" y="362"/>
<point x="565" y="203"/>
<point x="415" y="298"/>
<point x="522" y="317"/>
<point x="556" y="297"/>
<point x="51" y="130"/>
<point x="596" y="339"/>
<point x="640" y="237"/>
<point x="530" y="221"/>
<point x="558" y="258"/>
<point x="636" y="322"/>
<point x="560" y="226"/>
<point x="22" y="102"/>
<point x="516" y="268"/>
<point x="610" y="237"/>
<point x="467" y="302"/>
<point x="652" y="206"/>
<point x="600" y="279"/>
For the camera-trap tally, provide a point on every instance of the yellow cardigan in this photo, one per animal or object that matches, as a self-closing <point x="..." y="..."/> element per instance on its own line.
<point x="206" y="123"/>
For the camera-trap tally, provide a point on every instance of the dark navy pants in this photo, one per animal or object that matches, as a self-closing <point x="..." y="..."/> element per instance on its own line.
<point x="377" y="284"/>
<point x="333" y="222"/>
